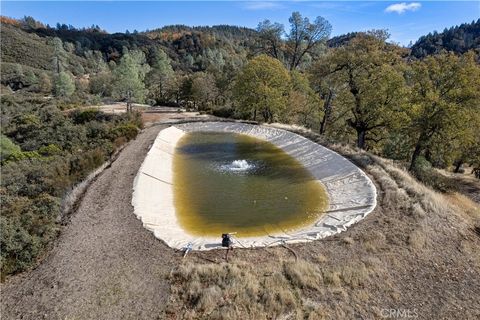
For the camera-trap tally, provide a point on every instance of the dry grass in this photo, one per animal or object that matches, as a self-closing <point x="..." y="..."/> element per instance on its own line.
<point x="354" y="275"/>
<point x="303" y="274"/>
<point x="348" y="240"/>
<point x="231" y="291"/>
<point x="271" y="291"/>
<point x="465" y="205"/>
<point x="417" y="239"/>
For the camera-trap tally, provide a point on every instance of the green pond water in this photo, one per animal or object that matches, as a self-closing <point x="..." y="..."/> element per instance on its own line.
<point x="226" y="182"/>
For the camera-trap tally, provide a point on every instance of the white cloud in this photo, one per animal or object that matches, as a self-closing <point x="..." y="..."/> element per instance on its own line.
<point x="262" y="5"/>
<point x="402" y="7"/>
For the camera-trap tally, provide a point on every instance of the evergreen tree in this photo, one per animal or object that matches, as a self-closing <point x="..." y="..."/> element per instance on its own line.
<point x="129" y="78"/>
<point x="160" y="73"/>
<point x="64" y="85"/>
<point x="59" y="59"/>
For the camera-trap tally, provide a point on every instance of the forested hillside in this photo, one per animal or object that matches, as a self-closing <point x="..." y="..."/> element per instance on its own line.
<point x="356" y="89"/>
<point x="457" y="39"/>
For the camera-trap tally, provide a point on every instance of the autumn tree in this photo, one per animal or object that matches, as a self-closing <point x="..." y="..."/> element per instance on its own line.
<point x="44" y="83"/>
<point x="186" y="92"/>
<point x="302" y="101"/>
<point x="204" y="90"/>
<point x="262" y="88"/>
<point x="129" y="76"/>
<point x="173" y="87"/>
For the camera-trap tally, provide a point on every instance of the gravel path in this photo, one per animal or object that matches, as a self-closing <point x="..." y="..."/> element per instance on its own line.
<point x="105" y="265"/>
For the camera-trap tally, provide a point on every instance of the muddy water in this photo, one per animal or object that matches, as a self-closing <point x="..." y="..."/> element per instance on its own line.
<point x="226" y="182"/>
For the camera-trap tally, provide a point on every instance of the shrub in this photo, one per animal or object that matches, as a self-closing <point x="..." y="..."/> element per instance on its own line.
<point x="83" y="163"/>
<point x="224" y="112"/>
<point x="84" y="116"/>
<point x="424" y="172"/>
<point x="27" y="225"/>
<point x="50" y="150"/>
<point x="22" y="155"/>
<point x="129" y="131"/>
<point x="7" y="148"/>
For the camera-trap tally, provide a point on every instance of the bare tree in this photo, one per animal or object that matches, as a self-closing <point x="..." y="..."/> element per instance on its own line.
<point x="304" y="37"/>
<point x="271" y="37"/>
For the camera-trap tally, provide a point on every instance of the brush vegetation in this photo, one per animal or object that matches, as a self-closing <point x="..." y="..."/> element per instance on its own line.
<point x="45" y="153"/>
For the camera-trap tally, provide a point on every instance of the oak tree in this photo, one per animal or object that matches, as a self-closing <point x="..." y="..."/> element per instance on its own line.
<point x="445" y="91"/>
<point x="262" y="88"/>
<point x="373" y="90"/>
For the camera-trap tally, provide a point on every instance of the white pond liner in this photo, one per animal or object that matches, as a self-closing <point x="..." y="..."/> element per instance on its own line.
<point x="352" y="195"/>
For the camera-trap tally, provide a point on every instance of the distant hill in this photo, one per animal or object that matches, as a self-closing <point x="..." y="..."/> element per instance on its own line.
<point x="28" y="43"/>
<point x="341" y="40"/>
<point x="32" y="49"/>
<point x="190" y="46"/>
<point x="458" y="39"/>
<point x="226" y="31"/>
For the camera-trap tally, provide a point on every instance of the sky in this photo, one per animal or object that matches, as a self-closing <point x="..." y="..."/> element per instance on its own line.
<point x="405" y="20"/>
